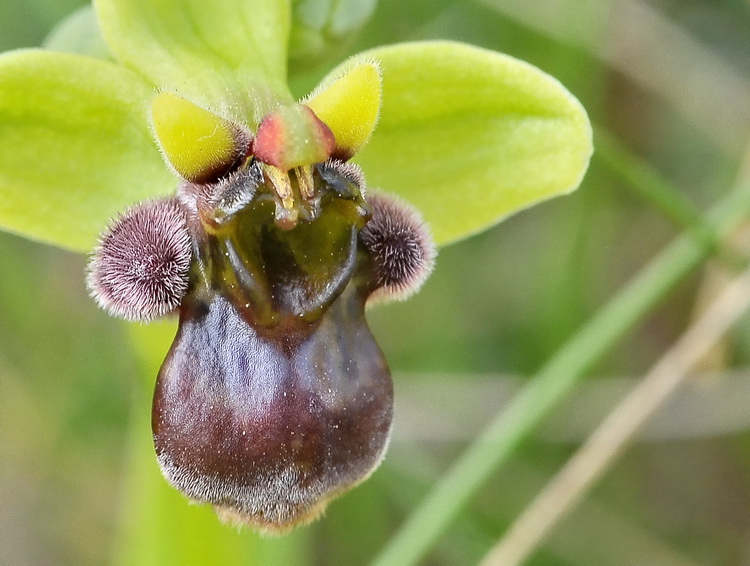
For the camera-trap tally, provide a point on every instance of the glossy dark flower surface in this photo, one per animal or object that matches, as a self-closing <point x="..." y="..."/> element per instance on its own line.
<point x="275" y="396"/>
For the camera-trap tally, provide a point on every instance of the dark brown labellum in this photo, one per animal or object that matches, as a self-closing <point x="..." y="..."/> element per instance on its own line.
<point x="275" y="397"/>
<point x="269" y="428"/>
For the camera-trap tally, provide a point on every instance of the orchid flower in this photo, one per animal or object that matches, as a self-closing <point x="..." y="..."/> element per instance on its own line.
<point x="267" y="224"/>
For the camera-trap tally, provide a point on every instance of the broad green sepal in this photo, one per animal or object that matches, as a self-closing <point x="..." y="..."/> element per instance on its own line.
<point x="75" y="147"/>
<point x="228" y="56"/>
<point x="198" y="144"/>
<point x="350" y="106"/>
<point x="470" y="136"/>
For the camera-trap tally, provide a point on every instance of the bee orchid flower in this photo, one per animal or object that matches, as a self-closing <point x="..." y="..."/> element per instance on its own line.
<point x="266" y="223"/>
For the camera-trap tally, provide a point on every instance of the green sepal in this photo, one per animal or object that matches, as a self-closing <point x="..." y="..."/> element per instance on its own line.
<point x="470" y="136"/>
<point x="75" y="148"/>
<point x="228" y="56"/>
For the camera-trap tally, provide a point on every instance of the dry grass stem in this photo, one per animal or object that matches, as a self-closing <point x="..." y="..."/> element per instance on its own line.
<point x="602" y="448"/>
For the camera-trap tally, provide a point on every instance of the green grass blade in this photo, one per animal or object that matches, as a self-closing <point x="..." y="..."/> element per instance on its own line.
<point x="558" y="377"/>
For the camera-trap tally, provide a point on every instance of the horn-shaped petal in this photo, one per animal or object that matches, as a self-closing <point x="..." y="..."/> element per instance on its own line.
<point x="198" y="144"/>
<point x="350" y="106"/>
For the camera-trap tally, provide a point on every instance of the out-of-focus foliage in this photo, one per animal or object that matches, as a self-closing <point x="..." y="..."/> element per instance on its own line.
<point x="670" y="81"/>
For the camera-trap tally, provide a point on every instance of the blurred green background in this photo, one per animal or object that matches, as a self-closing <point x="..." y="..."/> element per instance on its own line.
<point x="667" y="83"/>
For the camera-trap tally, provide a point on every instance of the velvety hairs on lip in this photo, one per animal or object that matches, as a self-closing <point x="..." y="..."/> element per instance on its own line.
<point x="140" y="269"/>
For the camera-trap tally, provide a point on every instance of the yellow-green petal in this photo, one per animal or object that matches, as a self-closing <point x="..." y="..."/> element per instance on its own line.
<point x="198" y="144"/>
<point x="350" y="106"/>
<point x="470" y="136"/>
<point x="228" y="56"/>
<point x="75" y="147"/>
